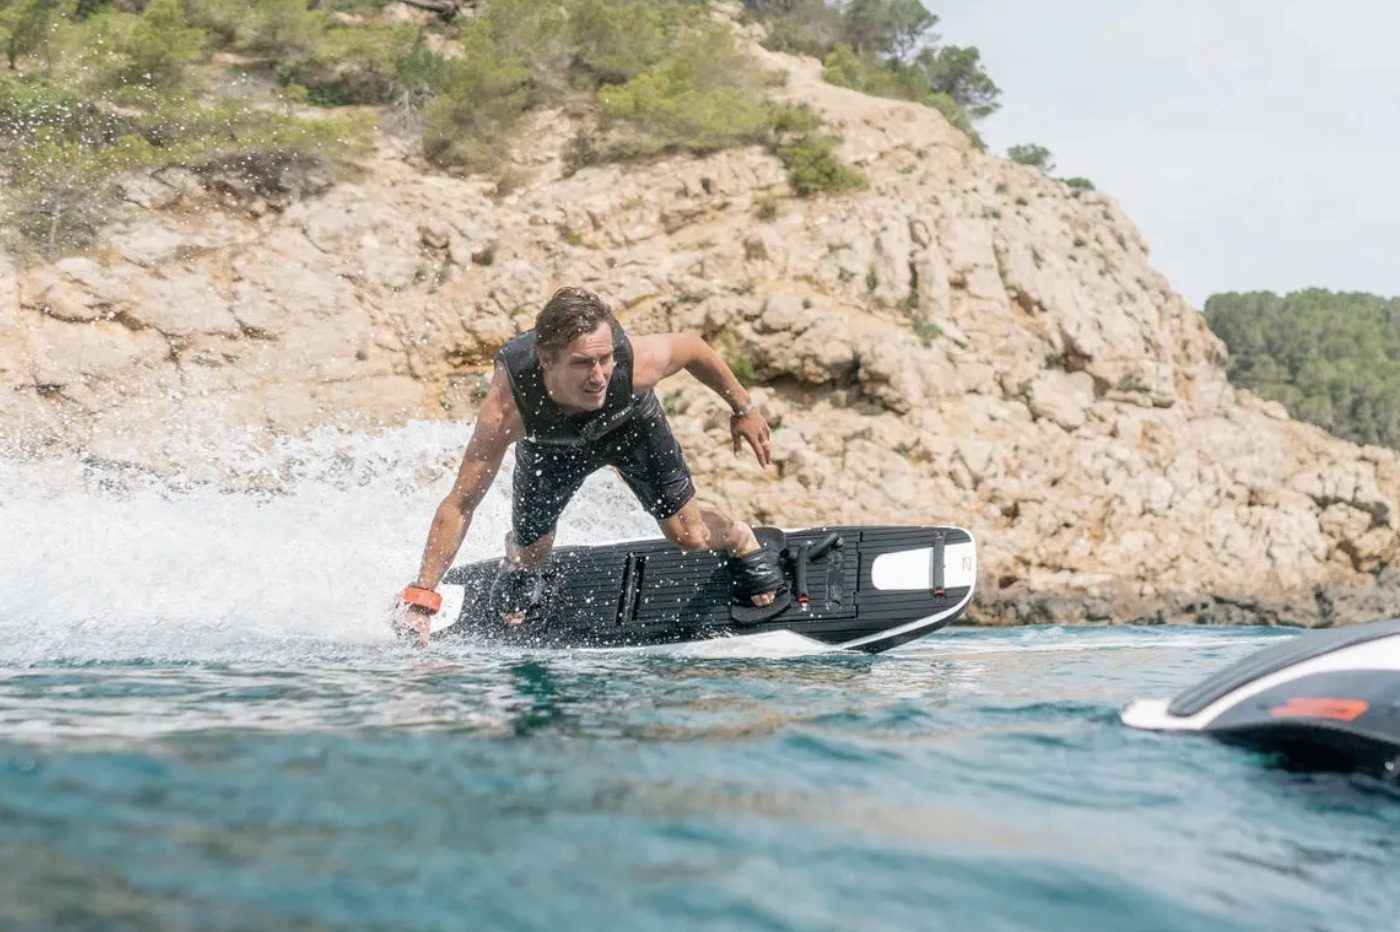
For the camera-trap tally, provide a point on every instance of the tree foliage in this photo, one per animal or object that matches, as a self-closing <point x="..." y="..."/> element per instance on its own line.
<point x="814" y="167"/>
<point x="1331" y="358"/>
<point x="153" y="49"/>
<point x="367" y="64"/>
<point x="615" y="41"/>
<point x="957" y="71"/>
<point x="534" y="33"/>
<point x="886" y="48"/>
<point x="895" y="79"/>
<point x="891" y="28"/>
<point x="806" y="27"/>
<point x="704" y="97"/>
<point x="1037" y="156"/>
<point x="486" y="94"/>
<point x="24" y="26"/>
<point x="1032" y="154"/>
<point x="846" y="67"/>
<point x="286" y="29"/>
<point x="102" y="88"/>
<point x="122" y="105"/>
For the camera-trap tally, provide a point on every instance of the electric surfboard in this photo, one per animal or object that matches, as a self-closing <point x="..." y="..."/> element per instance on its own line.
<point x="1328" y="698"/>
<point x="867" y="588"/>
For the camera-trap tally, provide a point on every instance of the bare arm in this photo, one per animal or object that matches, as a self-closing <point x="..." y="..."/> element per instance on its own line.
<point x="664" y="354"/>
<point x="661" y="355"/>
<point x="498" y="425"/>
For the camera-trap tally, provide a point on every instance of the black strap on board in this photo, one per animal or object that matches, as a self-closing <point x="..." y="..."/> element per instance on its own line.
<point x="936" y="565"/>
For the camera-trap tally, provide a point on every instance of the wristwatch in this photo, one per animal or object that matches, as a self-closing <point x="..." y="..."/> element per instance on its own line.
<point x="424" y="599"/>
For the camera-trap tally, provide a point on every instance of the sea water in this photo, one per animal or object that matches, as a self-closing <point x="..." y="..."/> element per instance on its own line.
<point x="205" y="724"/>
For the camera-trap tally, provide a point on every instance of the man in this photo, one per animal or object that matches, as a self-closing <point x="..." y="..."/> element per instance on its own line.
<point x="575" y="394"/>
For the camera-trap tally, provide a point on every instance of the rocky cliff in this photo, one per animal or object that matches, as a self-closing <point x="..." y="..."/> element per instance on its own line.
<point x="967" y="341"/>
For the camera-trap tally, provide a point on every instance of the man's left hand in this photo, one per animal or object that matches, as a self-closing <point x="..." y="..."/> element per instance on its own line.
<point x="753" y="428"/>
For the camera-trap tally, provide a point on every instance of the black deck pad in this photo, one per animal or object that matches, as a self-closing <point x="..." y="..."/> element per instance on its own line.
<point x="649" y="592"/>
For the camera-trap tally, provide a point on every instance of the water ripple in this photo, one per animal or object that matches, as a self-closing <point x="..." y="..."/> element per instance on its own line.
<point x="975" y="779"/>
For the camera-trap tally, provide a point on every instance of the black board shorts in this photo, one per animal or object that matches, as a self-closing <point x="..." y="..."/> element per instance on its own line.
<point x="644" y="452"/>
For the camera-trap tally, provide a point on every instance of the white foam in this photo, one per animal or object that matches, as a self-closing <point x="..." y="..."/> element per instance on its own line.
<point x="266" y="547"/>
<point x="766" y="644"/>
<point x="257" y="541"/>
<point x="1056" y="639"/>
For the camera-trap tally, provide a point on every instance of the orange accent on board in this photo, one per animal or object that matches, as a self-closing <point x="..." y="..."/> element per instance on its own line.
<point x="423" y="598"/>
<point x="1340" y="710"/>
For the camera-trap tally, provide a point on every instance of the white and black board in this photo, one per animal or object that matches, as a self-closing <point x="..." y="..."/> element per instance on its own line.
<point x="1327" y="698"/>
<point x="866" y="588"/>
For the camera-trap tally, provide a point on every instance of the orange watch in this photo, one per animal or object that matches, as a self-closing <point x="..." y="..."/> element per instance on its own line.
<point x="422" y="598"/>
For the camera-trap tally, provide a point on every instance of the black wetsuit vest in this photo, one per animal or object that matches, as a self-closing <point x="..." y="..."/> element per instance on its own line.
<point x="545" y="422"/>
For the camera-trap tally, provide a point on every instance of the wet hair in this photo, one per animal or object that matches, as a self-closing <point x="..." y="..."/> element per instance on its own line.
<point x="570" y="314"/>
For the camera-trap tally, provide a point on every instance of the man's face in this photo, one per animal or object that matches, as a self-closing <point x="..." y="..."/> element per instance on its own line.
<point x="578" y="376"/>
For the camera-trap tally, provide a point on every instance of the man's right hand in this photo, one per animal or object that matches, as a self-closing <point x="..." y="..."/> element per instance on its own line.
<point x="412" y="620"/>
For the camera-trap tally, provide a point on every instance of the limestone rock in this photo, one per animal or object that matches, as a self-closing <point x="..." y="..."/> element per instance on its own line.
<point x="70" y="355"/>
<point x="181" y="303"/>
<point x="148" y="244"/>
<point x="51" y="292"/>
<point x="147" y="191"/>
<point x="1061" y="397"/>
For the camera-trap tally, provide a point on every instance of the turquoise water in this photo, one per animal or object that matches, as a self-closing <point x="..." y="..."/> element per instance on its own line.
<point x="976" y="779"/>
<point x="204" y="724"/>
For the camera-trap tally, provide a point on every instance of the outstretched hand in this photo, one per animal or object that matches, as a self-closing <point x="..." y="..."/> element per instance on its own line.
<point x="753" y="428"/>
<point x="410" y="621"/>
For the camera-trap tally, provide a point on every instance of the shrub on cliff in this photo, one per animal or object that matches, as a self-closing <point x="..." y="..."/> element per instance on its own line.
<point x="223" y="21"/>
<point x="886" y="48"/>
<point x="24" y="26"/>
<point x="281" y="29"/>
<point x="367" y="64"/>
<point x="666" y="78"/>
<point x="1037" y="156"/>
<point x="875" y="28"/>
<point x="1033" y="155"/>
<point x="656" y="76"/>
<point x="60" y="149"/>
<point x="897" y="80"/>
<point x="65" y="151"/>
<point x="1330" y="358"/>
<point x="56" y="198"/>
<point x="486" y="93"/>
<point x="845" y="67"/>
<point x="151" y="50"/>
<point x="536" y="35"/>
<point x="321" y="59"/>
<point x="705" y="95"/>
<point x="893" y="28"/>
<point x="805" y="27"/>
<point x="615" y="42"/>
<point x="956" y="72"/>
<point x="814" y="167"/>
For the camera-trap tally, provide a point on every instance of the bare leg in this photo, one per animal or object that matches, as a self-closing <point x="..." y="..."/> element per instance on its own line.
<point x="696" y="528"/>
<point x="525" y="558"/>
